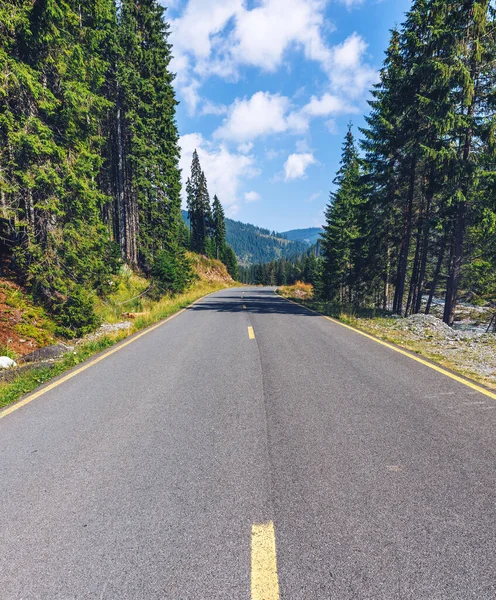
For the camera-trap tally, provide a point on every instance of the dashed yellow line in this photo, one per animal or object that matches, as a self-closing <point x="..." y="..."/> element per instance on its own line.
<point x="264" y="577"/>
<point x="251" y="333"/>
<point x="432" y="366"/>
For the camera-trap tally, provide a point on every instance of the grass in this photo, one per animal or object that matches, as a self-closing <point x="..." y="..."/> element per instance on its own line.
<point x="127" y="296"/>
<point x="153" y="312"/>
<point x="5" y="350"/>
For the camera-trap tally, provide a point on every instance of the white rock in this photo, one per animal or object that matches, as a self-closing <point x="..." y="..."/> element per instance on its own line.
<point x="7" y="363"/>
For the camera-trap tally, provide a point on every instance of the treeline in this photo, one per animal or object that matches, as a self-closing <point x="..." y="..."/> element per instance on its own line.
<point x="305" y="267"/>
<point x="416" y="216"/>
<point x="88" y="149"/>
<point x="207" y="223"/>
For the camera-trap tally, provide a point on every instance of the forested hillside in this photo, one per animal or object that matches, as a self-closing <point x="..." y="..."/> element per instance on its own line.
<point x="307" y="236"/>
<point x="89" y="174"/>
<point x="414" y="215"/>
<point x="254" y="245"/>
<point x="303" y="267"/>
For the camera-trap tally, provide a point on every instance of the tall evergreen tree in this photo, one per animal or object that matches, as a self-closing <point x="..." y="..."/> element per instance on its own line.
<point x="219" y="227"/>
<point x="199" y="210"/>
<point x="147" y="148"/>
<point x="341" y="228"/>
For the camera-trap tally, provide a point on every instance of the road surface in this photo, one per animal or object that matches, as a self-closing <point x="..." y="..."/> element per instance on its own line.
<point x="245" y="449"/>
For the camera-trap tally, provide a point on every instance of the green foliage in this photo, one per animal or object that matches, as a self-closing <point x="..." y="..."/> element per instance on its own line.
<point x="229" y="259"/>
<point x="172" y="271"/>
<point x="305" y="268"/>
<point x="415" y="217"/>
<point x="75" y="314"/>
<point x="88" y="147"/>
<point x="253" y="244"/>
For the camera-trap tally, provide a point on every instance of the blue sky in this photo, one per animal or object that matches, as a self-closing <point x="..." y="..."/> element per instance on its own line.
<point x="266" y="90"/>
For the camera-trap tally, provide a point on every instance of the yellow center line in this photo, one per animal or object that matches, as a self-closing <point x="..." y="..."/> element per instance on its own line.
<point x="251" y="333"/>
<point x="426" y="363"/>
<point x="264" y="578"/>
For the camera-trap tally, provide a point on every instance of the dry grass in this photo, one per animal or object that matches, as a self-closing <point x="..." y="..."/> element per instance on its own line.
<point x="298" y="291"/>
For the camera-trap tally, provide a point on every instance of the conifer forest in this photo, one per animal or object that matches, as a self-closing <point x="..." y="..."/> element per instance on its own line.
<point x="89" y="176"/>
<point x="413" y="214"/>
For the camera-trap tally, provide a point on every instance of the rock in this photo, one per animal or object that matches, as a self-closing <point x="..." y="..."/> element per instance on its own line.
<point x="7" y="363"/>
<point x="105" y="329"/>
<point x="47" y="353"/>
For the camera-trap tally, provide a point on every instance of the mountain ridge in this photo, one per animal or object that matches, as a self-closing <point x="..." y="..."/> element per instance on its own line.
<point x="255" y="245"/>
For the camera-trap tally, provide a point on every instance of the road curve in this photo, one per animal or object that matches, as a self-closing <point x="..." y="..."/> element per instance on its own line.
<point x="162" y="471"/>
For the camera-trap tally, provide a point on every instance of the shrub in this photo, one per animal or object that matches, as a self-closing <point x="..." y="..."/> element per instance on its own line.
<point x="75" y="314"/>
<point x="172" y="271"/>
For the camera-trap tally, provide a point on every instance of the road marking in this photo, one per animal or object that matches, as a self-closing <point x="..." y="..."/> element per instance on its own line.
<point x="251" y="333"/>
<point x="465" y="382"/>
<point x="264" y="578"/>
<point x="7" y="411"/>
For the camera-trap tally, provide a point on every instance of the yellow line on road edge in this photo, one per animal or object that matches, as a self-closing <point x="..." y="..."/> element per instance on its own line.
<point x="251" y="333"/>
<point x="264" y="578"/>
<point x="7" y="411"/>
<point x="432" y="366"/>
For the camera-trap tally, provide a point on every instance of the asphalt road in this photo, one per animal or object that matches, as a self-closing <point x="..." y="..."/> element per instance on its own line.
<point x="143" y="476"/>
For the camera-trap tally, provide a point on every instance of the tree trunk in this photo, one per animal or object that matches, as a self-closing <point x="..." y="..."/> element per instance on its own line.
<point x="385" y="300"/>
<point x="455" y="264"/>
<point x="405" y="243"/>
<point x="425" y="249"/>
<point x="437" y="272"/>
<point x="121" y="207"/>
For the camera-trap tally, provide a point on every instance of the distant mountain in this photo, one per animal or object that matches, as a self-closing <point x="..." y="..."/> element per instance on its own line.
<point x="308" y="236"/>
<point x="254" y="245"/>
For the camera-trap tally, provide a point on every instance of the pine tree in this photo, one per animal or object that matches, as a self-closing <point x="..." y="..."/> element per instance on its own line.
<point x="146" y="148"/>
<point x="199" y="210"/>
<point x="341" y="229"/>
<point x="219" y="227"/>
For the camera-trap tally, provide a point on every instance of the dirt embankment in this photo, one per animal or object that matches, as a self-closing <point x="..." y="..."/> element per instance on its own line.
<point x="24" y="327"/>
<point x="209" y="269"/>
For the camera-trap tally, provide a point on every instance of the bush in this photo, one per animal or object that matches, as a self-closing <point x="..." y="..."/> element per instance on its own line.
<point x="172" y="271"/>
<point x="75" y="314"/>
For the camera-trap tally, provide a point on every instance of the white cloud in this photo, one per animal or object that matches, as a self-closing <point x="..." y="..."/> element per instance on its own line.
<point x="262" y="114"/>
<point x="221" y="35"/>
<point x="245" y="148"/>
<point x="296" y="165"/>
<point x="328" y="104"/>
<point x="350" y="3"/>
<point x="332" y="126"/>
<point x="252" y="196"/>
<point x="313" y="197"/>
<point x="218" y="37"/>
<point x="347" y="70"/>
<point x="263" y="34"/>
<point x="225" y="171"/>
